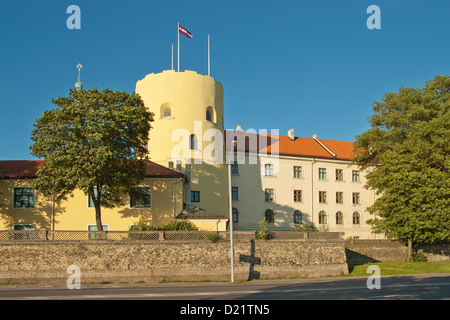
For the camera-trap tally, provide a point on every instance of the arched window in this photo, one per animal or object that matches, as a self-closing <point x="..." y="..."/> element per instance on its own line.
<point x="193" y="142"/>
<point x="356" y="218"/>
<point x="235" y="215"/>
<point x="298" y="217"/>
<point x="167" y="112"/>
<point x="210" y="115"/>
<point x="339" y="218"/>
<point x="269" y="216"/>
<point x="322" y="217"/>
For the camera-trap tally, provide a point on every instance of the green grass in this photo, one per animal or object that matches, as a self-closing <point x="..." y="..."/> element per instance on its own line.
<point x="399" y="267"/>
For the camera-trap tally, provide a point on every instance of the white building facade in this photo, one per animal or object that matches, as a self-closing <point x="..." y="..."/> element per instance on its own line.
<point x="298" y="181"/>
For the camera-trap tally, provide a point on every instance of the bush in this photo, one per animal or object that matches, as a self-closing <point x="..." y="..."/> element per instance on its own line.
<point x="174" y="225"/>
<point x="211" y="236"/>
<point x="418" y="256"/>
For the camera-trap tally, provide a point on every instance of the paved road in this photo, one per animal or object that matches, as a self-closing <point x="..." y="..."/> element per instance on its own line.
<point x="435" y="287"/>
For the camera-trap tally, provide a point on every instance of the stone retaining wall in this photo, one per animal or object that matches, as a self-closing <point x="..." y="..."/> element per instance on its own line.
<point x="106" y="261"/>
<point x="365" y="251"/>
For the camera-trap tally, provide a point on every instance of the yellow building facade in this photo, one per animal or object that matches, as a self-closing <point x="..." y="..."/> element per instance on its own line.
<point x="23" y="208"/>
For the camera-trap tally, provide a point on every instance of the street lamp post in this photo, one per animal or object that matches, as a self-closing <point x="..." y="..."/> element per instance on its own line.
<point x="230" y="208"/>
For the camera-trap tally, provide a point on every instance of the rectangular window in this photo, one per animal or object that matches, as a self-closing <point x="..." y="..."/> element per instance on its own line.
<point x="195" y="196"/>
<point x="297" y="195"/>
<point x="171" y="164"/>
<point x="322" y="174"/>
<point x="235" y="215"/>
<point x="269" y="195"/>
<point x="23" y="197"/>
<point x="297" y="172"/>
<point x="268" y="169"/>
<point x="141" y="197"/>
<point x="356" y="199"/>
<point x="234" y="193"/>
<point x="355" y="176"/>
<point x="93" y="234"/>
<point x="339" y="197"/>
<point x="179" y="165"/>
<point x="234" y="168"/>
<point x="23" y="235"/>
<point x="339" y="175"/>
<point x="322" y="196"/>
<point x="91" y="202"/>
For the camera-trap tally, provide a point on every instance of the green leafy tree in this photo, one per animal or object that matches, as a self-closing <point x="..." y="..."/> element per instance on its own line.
<point x="407" y="156"/>
<point x="93" y="141"/>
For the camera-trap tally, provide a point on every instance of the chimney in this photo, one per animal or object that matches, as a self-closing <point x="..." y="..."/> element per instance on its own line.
<point x="291" y="134"/>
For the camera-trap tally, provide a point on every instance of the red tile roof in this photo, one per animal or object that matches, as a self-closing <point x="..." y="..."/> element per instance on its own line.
<point x="283" y="145"/>
<point x="26" y="169"/>
<point x="19" y="169"/>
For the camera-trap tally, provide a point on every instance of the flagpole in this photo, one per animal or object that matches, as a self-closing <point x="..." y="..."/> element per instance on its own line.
<point x="172" y="57"/>
<point x="178" y="32"/>
<point x="208" y="58"/>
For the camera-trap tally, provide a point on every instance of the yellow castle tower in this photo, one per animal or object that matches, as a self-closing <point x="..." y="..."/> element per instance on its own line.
<point x="188" y="133"/>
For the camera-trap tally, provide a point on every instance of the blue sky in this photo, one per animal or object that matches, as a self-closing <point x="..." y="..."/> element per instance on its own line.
<point x="311" y="65"/>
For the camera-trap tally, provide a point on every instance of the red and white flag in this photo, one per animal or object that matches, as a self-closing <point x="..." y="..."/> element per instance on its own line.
<point x="183" y="31"/>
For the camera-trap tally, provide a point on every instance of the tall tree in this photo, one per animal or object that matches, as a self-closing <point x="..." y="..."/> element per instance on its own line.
<point x="93" y="141"/>
<point x="407" y="154"/>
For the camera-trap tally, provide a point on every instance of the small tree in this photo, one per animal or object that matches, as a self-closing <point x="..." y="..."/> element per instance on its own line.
<point x="94" y="141"/>
<point x="263" y="233"/>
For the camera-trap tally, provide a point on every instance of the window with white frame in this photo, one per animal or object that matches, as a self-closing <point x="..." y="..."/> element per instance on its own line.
<point x="298" y="172"/>
<point x="322" y="217"/>
<point x="322" y="197"/>
<point x="355" y="176"/>
<point x="339" y="175"/>
<point x="269" y="194"/>
<point x="298" y="196"/>
<point x="339" y="197"/>
<point x="298" y="217"/>
<point x="339" y="217"/>
<point x="269" y="171"/>
<point x="356" y="198"/>
<point x="356" y="218"/>
<point x="322" y="174"/>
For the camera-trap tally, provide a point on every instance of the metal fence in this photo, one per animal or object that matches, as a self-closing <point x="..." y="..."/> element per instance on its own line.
<point x="48" y="235"/>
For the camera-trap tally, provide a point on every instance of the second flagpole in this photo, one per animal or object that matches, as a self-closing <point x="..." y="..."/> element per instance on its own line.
<point x="178" y="33"/>
<point x="208" y="58"/>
